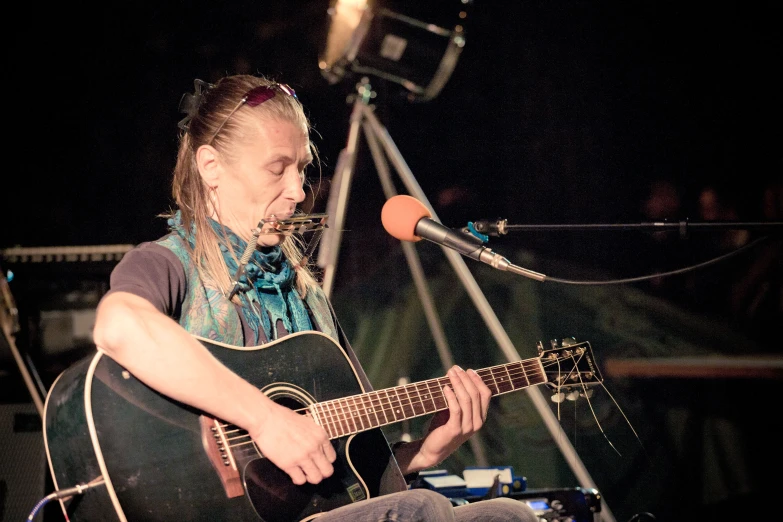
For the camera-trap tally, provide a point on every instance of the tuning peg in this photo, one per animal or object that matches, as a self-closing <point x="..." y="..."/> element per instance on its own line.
<point x="572" y="396"/>
<point x="558" y="397"/>
<point x="540" y="347"/>
<point x="586" y="393"/>
<point x="568" y="341"/>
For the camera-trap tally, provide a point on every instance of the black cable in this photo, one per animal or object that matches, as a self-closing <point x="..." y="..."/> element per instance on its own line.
<point x="662" y="274"/>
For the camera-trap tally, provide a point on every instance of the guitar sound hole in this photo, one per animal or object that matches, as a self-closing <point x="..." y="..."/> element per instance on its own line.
<point x="276" y="499"/>
<point x="289" y="402"/>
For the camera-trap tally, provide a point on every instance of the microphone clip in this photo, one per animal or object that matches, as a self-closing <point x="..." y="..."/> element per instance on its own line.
<point x="471" y="229"/>
<point x="491" y="228"/>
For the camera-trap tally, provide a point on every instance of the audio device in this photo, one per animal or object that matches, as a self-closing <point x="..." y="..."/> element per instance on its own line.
<point x="482" y="483"/>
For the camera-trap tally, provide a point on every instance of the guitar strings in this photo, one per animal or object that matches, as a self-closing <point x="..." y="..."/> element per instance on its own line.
<point x="341" y="414"/>
<point x="627" y="420"/>
<point x="595" y="417"/>
<point x="343" y="419"/>
<point x="335" y="419"/>
<point x="333" y="416"/>
<point x="586" y="395"/>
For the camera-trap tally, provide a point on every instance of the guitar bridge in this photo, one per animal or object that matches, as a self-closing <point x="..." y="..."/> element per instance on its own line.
<point x="216" y="446"/>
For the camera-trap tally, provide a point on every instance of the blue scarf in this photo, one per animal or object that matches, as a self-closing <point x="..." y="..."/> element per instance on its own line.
<point x="271" y="276"/>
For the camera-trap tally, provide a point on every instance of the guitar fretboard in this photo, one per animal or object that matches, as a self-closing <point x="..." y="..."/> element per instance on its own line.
<point x="357" y="413"/>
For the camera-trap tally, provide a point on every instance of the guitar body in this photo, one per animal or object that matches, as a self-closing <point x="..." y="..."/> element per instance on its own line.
<point x="152" y="451"/>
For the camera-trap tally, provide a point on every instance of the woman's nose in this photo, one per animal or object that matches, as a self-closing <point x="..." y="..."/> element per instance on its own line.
<point x="295" y="187"/>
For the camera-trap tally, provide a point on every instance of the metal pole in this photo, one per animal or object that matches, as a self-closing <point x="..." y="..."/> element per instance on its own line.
<point x="9" y="324"/>
<point x="338" y="199"/>
<point x="420" y="280"/>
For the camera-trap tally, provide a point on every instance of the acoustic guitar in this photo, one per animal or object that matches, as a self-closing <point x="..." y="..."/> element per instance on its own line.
<point x="162" y="460"/>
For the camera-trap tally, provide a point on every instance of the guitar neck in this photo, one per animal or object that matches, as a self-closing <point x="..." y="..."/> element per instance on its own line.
<point x="357" y="413"/>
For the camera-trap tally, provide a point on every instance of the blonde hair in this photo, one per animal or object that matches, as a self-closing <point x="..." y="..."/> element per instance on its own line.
<point x="191" y="193"/>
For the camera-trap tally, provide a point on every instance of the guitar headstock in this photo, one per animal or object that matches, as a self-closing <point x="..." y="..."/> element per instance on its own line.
<point x="569" y="365"/>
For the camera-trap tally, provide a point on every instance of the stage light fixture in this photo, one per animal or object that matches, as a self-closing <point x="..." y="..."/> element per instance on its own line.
<point x="413" y="44"/>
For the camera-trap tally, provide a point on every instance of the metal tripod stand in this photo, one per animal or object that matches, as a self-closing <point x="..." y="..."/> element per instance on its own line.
<point x="384" y="150"/>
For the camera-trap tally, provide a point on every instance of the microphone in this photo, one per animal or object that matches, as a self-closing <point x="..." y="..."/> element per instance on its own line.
<point x="407" y="219"/>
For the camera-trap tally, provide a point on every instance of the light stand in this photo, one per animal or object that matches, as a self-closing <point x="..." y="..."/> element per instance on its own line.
<point x="384" y="150"/>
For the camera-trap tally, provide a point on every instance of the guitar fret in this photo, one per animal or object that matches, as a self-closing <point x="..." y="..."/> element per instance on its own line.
<point x="524" y="374"/>
<point x="344" y="420"/>
<point x="391" y="405"/>
<point x="443" y="383"/>
<point x="357" y="413"/>
<point x="348" y="417"/>
<point x="432" y="398"/>
<point x="498" y="380"/>
<point x="408" y="395"/>
<point x="424" y="396"/>
<point x="336" y="419"/>
<point x="419" y="401"/>
<point x="382" y="407"/>
<point x="510" y="380"/>
<point x="494" y="382"/>
<point x="513" y="380"/>
<point x="339" y="422"/>
<point x="368" y="409"/>
<point x="330" y="427"/>
<point x="400" y="406"/>
<point x="375" y="408"/>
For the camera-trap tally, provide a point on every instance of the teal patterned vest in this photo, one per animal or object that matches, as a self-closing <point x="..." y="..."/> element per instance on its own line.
<point x="207" y="313"/>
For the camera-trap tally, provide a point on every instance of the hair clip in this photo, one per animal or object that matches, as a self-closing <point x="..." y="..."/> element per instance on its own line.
<point x="189" y="103"/>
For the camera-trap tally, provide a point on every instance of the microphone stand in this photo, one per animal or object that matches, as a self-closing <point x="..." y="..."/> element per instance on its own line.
<point x="382" y="147"/>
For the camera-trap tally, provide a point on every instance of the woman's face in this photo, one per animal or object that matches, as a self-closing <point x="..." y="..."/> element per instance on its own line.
<point x="264" y="177"/>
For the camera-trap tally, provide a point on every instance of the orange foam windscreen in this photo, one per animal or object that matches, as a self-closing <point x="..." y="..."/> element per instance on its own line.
<point x="400" y="215"/>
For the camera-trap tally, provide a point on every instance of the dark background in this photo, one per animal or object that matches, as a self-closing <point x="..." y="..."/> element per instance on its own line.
<point x="556" y="113"/>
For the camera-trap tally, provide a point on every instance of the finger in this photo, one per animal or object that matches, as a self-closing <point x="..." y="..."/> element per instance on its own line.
<point x="297" y="475"/>
<point x="329" y="452"/>
<point x="311" y="472"/>
<point x="484" y="392"/>
<point x="476" y="417"/>
<point x="325" y="448"/>
<point x="455" y="413"/>
<point x="468" y="397"/>
<point x="324" y="465"/>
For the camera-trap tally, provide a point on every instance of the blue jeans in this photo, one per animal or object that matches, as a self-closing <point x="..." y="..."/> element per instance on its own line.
<point x="424" y="505"/>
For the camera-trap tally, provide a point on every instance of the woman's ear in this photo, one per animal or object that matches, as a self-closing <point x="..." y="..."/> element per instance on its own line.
<point x="208" y="162"/>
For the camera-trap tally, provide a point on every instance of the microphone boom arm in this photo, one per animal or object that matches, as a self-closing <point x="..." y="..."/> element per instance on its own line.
<point x="500" y="227"/>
